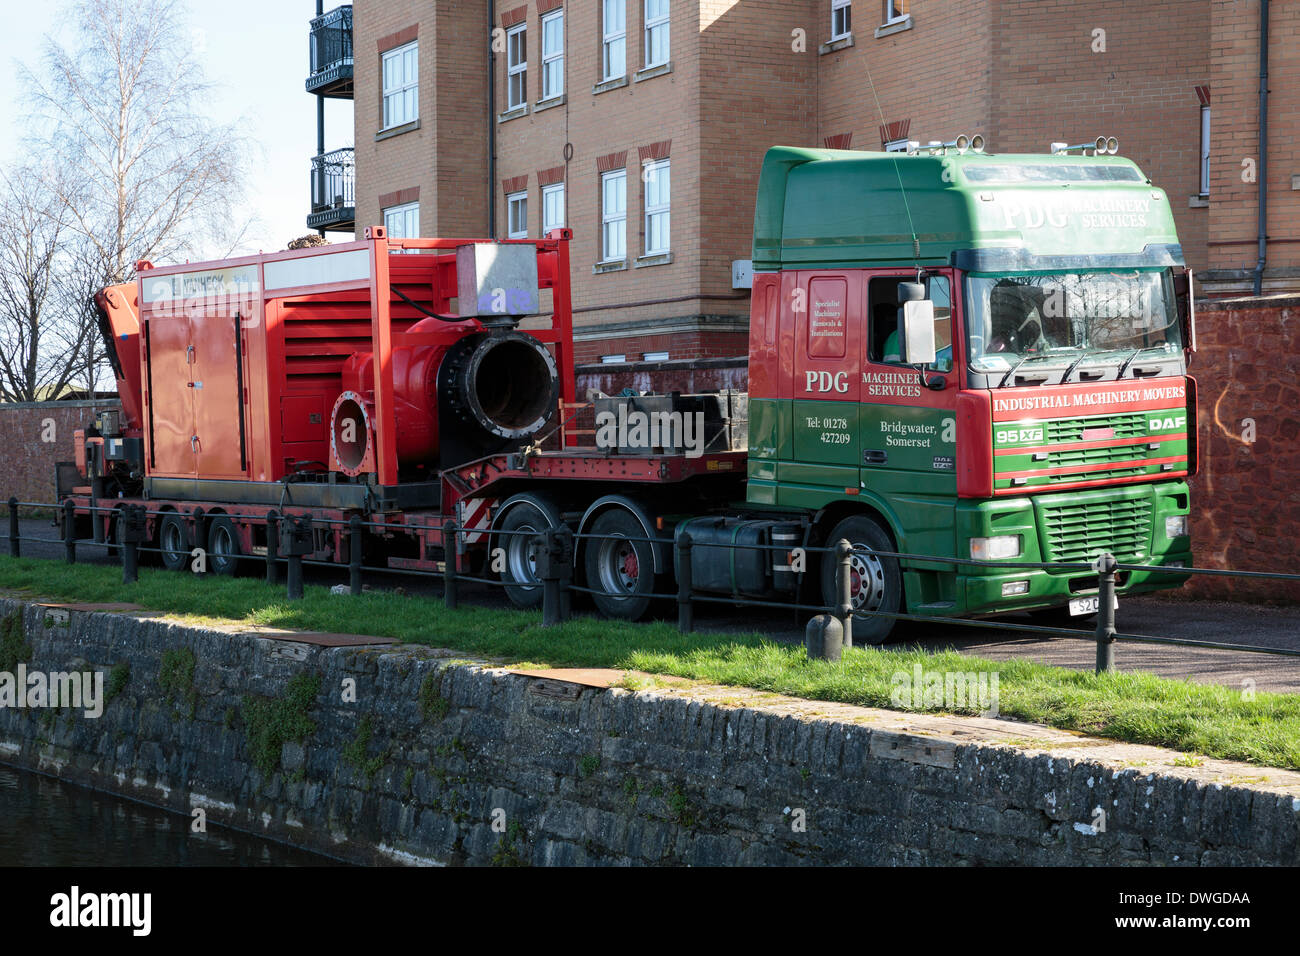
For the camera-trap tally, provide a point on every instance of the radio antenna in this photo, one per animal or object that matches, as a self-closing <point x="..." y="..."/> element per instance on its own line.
<point x="916" y="243"/>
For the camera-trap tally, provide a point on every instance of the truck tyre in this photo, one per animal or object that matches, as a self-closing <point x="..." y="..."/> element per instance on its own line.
<point x="223" y="547"/>
<point x="522" y="585"/>
<point x="876" y="583"/>
<point x="173" y="542"/>
<point x="620" y="569"/>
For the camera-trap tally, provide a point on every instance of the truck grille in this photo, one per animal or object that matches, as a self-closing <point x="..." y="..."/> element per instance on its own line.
<point x="1072" y="429"/>
<point x="1080" y="532"/>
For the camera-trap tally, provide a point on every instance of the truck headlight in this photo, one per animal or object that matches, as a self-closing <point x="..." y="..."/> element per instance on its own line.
<point x="997" y="548"/>
<point x="1176" y="527"/>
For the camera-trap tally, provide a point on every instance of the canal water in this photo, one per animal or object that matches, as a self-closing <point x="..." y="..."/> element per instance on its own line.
<point x="46" y="822"/>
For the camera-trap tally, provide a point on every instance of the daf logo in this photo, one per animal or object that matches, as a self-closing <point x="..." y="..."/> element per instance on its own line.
<point x="1164" y="424"/>
<point x="826" y="382"/>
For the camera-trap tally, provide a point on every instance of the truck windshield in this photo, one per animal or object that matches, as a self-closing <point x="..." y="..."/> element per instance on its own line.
<point x="1069" y="319"/>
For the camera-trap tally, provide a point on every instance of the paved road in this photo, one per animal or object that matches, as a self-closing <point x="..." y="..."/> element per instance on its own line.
<point x="1152" y="616"/>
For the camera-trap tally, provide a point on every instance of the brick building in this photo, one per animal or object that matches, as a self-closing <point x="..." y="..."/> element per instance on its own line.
<point x="641" y="125"/>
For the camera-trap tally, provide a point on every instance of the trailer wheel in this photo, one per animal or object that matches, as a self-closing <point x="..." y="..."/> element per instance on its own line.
<point x="173" y="542"/>
<point x="223" y="547"/>
<point x="522" y="585"/>
<point x="620" y="569"/>
<point x="876" y="582"/>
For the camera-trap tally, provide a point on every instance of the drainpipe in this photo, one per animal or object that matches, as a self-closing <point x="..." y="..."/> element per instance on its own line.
<point x="491" y="123"/>
<point x="320" y="134"/>
<point x="1263" y="147"/>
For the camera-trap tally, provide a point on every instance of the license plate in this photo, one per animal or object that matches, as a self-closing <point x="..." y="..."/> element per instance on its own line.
<point x="1087" y="605"/>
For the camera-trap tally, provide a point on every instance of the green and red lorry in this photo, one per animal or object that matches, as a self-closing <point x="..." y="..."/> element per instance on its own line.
<point x="953" y="355"/>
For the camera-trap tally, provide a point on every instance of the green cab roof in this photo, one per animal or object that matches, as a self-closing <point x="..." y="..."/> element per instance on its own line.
<point x="821" y="208"/>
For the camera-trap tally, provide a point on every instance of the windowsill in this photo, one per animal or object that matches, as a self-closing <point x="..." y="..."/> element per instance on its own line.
<point x="600" y="268"/>
<point x="840" y="43"/>
<point x="650" y="72"/>
<point x="658" y="259"/>
<point x="512" y="114"/>
<point x="894" y="26"/>
<point x="1198" y="202"/>
<point x="550" y="103"/>
<point x="604" y="86"/>
<point x="397" y="130"/>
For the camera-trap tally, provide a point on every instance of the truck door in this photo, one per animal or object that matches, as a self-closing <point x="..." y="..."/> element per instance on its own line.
<point x="829" y="338"/>
<point x="907" y="431"/>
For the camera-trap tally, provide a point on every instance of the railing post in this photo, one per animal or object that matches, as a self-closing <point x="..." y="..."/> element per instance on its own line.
<point x="70" y="531"/>
<point x="354" y="554"/>
<point x="685" y="582"/>
<point x="554" y="559"/>
<point x="1105" y="565"/>
<point x="132" y="534"/>
<point x="844" y="588"/>
<point x="451" y="558"/>
<point x="297" y="532"/>
<point x="272" y="548"/>
<point x="823" y="638"/>
<point x="15" y="534"/>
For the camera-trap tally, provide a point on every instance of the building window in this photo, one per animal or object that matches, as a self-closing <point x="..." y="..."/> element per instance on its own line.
<point x="656" y="32"/>
<point x="517" y="215"/>
<point x="897" y="146"/>
<point x="517" y="66"/>
<point x="553" y="54"/>
<point x="403" y="222"/>
<point x="401" y="68"/>
<point x="552" y="207"/>
<point x="841" y="19"/>
<point x="895" y="10"/>
<point x="657" y="192"/>
<point x="613" y="359"/>
<point x="1205" y="150"/>
<point x="613" y="215"/>
<point x="655" y="356"/>
<point x="615" y="45"/>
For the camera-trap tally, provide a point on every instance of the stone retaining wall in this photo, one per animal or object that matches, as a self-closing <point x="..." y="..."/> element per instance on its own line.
<point x="453" y="761"/>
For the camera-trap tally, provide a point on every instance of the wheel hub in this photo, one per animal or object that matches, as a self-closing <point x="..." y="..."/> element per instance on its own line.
<point x="866" y="580"/>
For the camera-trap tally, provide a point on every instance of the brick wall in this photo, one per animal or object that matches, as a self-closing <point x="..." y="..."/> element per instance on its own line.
<point x="29" y="458"/>
<point x="1246" y="500"/>
<point x="1234" y="89"/>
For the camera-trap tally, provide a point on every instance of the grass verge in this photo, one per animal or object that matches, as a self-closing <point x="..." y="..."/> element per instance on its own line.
<point x="1139" y="708"/>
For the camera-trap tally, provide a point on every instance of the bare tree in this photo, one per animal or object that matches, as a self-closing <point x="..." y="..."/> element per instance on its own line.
<point x="122" y="110"/>
<point x="36" y="358"/>
<point x="133" y="170"/>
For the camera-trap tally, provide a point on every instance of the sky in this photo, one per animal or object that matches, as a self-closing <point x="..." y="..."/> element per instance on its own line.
<point x="255" y="53"/>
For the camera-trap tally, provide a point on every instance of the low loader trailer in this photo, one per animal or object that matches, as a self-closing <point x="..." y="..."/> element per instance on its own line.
<point x="956" y="357"/>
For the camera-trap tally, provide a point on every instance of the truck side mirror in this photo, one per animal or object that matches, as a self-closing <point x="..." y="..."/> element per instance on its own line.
<point x="917" y="338"/>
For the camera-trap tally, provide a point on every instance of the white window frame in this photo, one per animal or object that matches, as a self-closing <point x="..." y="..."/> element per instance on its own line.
<point x="664" y="23"/>
<point x="1205" y="150"/>
<point x="655" y="357"/>
<point x="612" y="37"/>
<point x="517" y="227"/>
<point x="519" y="69"/>
<point x="549" y="193"/>
<point x="610" y="219"/>
<point x="841" y="10"/>
<point x="553" y="62"/>
<point x="402" y="93"/>
<point x="651" y="171"/>
<point x="405" y="215"/>
<point x="894" y="12"/>
<point x="898" y="145"/>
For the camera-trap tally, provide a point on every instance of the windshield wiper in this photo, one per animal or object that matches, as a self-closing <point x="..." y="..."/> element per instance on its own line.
<point x="1073" y="365"/>
<point x="1129" y="361"/>
<point x="1016" y="368"/>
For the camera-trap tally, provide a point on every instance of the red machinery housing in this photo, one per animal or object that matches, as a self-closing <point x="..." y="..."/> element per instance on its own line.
<point x="257" y="371"/>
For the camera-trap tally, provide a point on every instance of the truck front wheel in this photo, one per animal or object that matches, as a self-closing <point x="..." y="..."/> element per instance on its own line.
<point x="875" y="581"/>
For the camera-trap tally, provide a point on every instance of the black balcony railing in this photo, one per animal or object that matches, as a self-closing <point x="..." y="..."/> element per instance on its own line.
<point x="331" y="54"/>
<point x="333" y="190"/>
